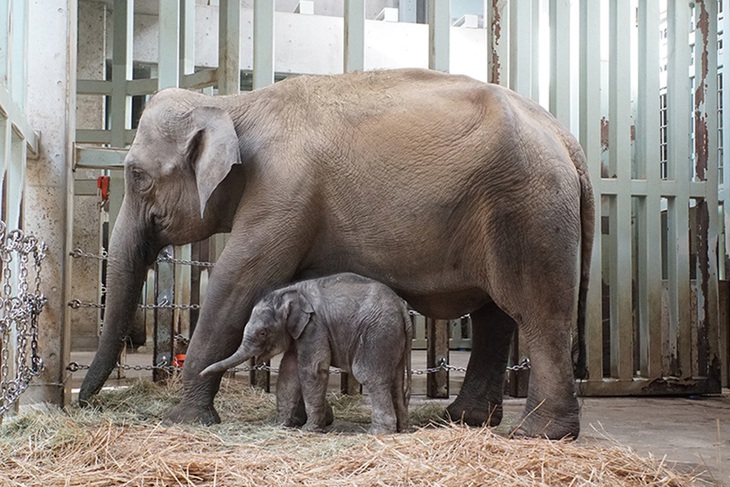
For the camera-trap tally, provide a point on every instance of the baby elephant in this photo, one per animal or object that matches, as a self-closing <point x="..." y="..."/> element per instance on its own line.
<point x="344" y="320"/>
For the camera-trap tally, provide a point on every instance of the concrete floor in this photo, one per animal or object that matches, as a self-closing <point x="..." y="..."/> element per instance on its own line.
<point x="692" y="432"/>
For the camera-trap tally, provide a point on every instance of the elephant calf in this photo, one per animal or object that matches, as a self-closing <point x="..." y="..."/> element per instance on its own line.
<point x="344" y="320"/>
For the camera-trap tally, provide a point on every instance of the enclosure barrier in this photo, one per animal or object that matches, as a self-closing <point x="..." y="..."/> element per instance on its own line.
<point x="21" y="302"/>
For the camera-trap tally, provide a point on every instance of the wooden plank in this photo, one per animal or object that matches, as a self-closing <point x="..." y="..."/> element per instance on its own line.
<point x="619" y="119"/>
<point x="354" y="35"/>
<point x="437" y="384"/>
<point x="263" y="43"/>
<point x="590" y="139"/>
<point x="662" y="386"/>
<point x="678" y="98"/>
<point x="229" y="47"/>
<point x="168" y="64"/>
<point x="649" y="257"/>
<point x="497" y="25"/>
<point x="439" y="31"/>
<point x="560" y="60"/>
<point x="121" y="104"/>
<point x="706" y="167"/>
<point x="521" y="48"/>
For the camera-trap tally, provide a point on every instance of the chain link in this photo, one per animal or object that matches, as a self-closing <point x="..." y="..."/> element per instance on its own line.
<point x="165" y="256"/>
<point x="19" y="313"/>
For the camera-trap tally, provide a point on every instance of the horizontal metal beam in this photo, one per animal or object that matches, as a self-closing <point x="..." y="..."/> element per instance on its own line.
<point x="640" y="187"/>
<point x="17" y="119"/>
<point x="99" y="158"/>
<point x="98" y="136"/>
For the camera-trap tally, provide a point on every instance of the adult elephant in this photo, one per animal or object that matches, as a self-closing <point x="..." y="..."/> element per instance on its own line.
<point x="463" y="197"/>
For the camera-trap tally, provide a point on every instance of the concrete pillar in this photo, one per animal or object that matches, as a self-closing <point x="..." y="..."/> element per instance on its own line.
<point x="51" y="94"/>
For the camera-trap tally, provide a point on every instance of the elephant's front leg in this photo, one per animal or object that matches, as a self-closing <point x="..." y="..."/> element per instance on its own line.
<point x="313" y="378"/>
<point x="241" y="273"/>
<point x="480" y="399"/>
<point x="290" y="409"/>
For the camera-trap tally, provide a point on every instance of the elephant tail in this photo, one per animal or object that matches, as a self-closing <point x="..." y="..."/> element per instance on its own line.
<point x="408" y="324"/>
<point x="588" y="223"/>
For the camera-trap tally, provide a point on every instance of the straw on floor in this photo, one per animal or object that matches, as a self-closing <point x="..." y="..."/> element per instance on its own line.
<point x="126" y="443"/>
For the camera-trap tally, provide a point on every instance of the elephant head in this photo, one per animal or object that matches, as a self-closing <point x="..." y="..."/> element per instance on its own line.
<point x="276" y="320"/>
<point x="181" y="184"/>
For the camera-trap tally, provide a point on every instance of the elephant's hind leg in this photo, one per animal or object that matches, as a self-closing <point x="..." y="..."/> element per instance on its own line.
<point x="552" y="409"/>
<point x="480" y="399"/>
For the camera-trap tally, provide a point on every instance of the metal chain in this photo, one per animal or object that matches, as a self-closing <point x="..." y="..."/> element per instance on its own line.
<point x="19" y="313"/>
<point x="77" y="253"/>
<point x="164" y="304"/>
<point x="75" y="366"/>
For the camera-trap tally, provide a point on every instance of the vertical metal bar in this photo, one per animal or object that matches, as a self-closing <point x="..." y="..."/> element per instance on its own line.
<point x="164" y="318"/>
<point x="649" y="208"/>
<point x="169" y="45"/>
<point x="725" y="192"/>
<point x="4" y="41"/>
<point x="619" y="116"/>
<point x="678" y="89"/>
<point x="706" y="168"/>
<point x="497" y="25"/>
<point x="187" y="37"/>
<point x="520" y="47"/>
<point x="229" y="47"/>
<point x="121" y="104"/>
<point x="560" y="60"/>
<point x="590" y="139"/>
<point x="354" y="60"/>
<point x="439" y="26"/>
<point x="354" y="48"/>
<point x="437" y="332"/>
<point x="182" y="289"/>
<point x="16" y="181"/>
<point x="263" y="43"/>
<point x="19" y="54"/>
<point x="535" y="53"/>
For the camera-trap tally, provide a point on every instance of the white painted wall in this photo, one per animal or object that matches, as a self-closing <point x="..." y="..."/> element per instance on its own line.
<point x="313" y="44"/>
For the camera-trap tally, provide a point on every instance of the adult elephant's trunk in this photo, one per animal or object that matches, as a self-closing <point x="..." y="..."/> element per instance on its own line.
<point x="130" y="254"/>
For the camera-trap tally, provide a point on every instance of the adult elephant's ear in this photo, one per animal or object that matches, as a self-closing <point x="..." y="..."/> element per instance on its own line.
<point x="211" y="150"/>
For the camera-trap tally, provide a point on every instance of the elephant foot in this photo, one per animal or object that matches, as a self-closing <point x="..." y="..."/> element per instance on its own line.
<point x="194" y="415"/>
<point x="381" y="430"/>
<point x="298" y="417"/>
<point x="474" y="414"/>
<point x="313" y="428"/>
<point x="550" y="425"/>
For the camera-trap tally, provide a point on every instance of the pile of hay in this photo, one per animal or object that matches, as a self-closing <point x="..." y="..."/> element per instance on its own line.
<point x="126" y="444"/>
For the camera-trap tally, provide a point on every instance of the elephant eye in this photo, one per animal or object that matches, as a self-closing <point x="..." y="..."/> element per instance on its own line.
<point x="262" y="334"/>
<point x="141" y="180"/>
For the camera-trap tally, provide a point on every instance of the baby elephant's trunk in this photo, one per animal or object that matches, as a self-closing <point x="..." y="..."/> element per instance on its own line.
<point x="237" y="358"/>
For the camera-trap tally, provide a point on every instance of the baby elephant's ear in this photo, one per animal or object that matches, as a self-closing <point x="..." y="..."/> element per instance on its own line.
<point x="300" y="312"/>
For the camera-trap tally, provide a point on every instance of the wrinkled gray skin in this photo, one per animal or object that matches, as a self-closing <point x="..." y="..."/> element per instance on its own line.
<point x="345" y="320"/>
<point x="463" y="197"/>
